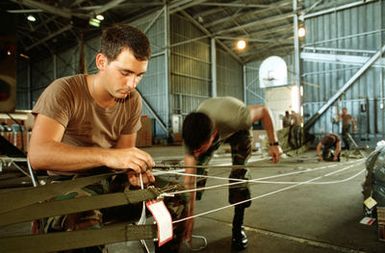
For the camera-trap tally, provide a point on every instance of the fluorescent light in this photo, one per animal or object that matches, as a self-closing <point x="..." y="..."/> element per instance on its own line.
<point x="31" y="18"/>
<point x="94" y="22"/>
<point x="100" y="17"/>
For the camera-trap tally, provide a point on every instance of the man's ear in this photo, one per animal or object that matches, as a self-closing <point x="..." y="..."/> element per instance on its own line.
<point x="101" y="61"/>
<point x="214" y="134"/>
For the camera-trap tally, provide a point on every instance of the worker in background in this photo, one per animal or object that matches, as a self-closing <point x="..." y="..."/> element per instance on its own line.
<point x="295" y="133"/>
<point x="347" y="125"/>
<point x="225" y="120"/>
<point x="85" y="124"/>
<point x="329" y="148"/>
<point x="286" y="120"/>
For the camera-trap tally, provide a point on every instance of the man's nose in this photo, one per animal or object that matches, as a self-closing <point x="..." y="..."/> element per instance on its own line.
<point x="131" y="81"/>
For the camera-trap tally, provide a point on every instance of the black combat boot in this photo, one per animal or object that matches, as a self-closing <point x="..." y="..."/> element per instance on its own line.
<point x="239" y="239"/>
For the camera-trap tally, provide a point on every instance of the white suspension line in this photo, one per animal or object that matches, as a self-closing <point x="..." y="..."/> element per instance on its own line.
<point x="259" y="197"/>
<point x="255" y="181"/>
<point x="258" y="180"/>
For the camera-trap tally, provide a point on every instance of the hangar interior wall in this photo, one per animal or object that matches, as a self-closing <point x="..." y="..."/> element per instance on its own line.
<point x="337" y="45"/>
<point x="178" y="79"/>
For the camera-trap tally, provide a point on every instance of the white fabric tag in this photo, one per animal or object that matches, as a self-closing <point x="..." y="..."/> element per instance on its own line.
<point x="370" y="202"/>
<point x="163" y="220"/>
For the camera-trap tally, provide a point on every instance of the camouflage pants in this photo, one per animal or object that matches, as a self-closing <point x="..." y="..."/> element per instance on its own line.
<point x="345" y="136"/>
<point x="295" y="136"/>
<point x="127" y="213"/>
<point x="240" y="144"/>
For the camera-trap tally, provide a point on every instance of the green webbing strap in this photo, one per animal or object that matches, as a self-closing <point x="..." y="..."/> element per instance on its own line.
<point x="60" y="207"/>
<point x="77" y="239"/>
<point x="24" y="197"/>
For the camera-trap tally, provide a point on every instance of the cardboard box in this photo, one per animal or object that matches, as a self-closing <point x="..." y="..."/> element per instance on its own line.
<point x="144" y="135"/>
<point x="381" y="223"/>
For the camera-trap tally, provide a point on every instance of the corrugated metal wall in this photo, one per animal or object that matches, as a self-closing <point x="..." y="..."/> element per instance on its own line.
<point x="191" y="77"/>
<point x="23" y="99"/>
<point x="190" y="66"/>
<point x="154" y="85"/>
<point x="178" y="79"/>
<point x="337" y="44"/>
<point x="229" y="75"/>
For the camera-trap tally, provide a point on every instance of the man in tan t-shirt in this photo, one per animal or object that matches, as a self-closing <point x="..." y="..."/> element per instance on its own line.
<point x="225" y="120"/>
<point x="85" y="122"/>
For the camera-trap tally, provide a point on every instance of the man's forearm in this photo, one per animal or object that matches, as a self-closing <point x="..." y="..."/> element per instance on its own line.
<point x="189" y="181"/>
<point x="63" y="157"/>
<point x="269" y="126"/>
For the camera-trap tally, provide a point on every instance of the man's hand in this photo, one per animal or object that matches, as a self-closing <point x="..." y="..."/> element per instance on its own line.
<point x="275" y="153"/>
<point x="129" y="159"/>
<point x="134" y="180"/>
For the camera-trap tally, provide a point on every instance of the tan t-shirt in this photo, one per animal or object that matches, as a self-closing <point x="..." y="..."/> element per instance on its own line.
<point x="68" y="101"/>
<point x="228" y="114"/>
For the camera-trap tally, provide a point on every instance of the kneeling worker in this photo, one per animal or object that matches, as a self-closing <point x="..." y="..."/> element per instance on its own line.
<point x="329" y="148"/>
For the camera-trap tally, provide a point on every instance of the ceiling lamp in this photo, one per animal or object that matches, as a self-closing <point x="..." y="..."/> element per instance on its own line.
<point x="241" y="44"/>
<point x="301" y="32"/>
<point x="94" y="22"/>
<point x="100" y="17"/>
<point x="31" y="18"/>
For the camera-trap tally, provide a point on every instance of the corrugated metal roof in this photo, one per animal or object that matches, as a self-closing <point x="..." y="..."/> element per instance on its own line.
<point x="267" y="25"/>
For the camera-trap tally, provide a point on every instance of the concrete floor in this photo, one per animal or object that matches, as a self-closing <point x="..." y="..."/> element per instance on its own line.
<point x="285" y="216"/>
<point x="288" y="216"/>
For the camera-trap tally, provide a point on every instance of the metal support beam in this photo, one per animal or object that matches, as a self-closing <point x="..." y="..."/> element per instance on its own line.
<point x="213" y="68"/>
<point x="109" y="5"/>
<point x="339" y="8"/>
<point x="177" y="6"/>
<point x="258" y="23"/>
<point x="49" y="37"/>
<point x="153" y="113"/>
<point x="297" y="68"/>
<point x="62" y="12"/>
<point x="167" y="66"/>
<point x="203" y="29"/>
<point x="346" y="86"/>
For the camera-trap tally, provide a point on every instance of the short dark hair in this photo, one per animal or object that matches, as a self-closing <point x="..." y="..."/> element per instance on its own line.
<point x="197" y="129"/>
<point x="122" y="36"/>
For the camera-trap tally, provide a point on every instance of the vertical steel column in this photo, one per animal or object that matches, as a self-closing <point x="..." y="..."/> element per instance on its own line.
<point x="244" y="84"/>
<point x="213" y="68"/>
<point x="297" y="68"/>
<point x="382" y="81"/>
<point x="55" y="67"/>
<point x="30" y="96"/>
<point x="167" y="63"/>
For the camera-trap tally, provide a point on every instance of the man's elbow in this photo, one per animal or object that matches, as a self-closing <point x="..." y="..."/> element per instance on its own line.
<point x="36" y="160"/>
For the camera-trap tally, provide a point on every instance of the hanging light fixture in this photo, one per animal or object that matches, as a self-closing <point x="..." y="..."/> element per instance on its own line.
<point x="100" y="17"/>
<point x="94" y="22"/>
<point x="241" y="44"/>
<point x="31" y="18"/>
<point x="301" y="32"/>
